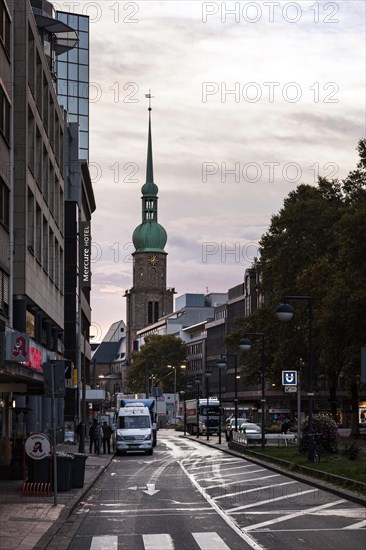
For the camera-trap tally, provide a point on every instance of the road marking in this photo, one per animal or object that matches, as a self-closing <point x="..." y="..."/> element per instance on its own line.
<point x="105" y="542"/>
<point x="201" y="478"/>
<point x="157" y="542"/>
<point x="294" y="515"/>
<point x="268" y="501"/>
<point x="236" y="482"/>
<point x="356" y="525"/>
<point x="151" y="489"/>
<point x="244" y="536"/>
<point x="259" y="488"/>
<point x="210" y="541"/>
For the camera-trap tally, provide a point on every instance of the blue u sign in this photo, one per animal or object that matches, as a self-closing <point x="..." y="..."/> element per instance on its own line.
<point x="289" y="377"/>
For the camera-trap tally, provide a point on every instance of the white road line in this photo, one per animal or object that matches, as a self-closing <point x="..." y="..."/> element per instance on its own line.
<point x="294" y="515"/>
<point x="259" y="488"/>
<point x="200" y="478"/>
<point x="105" y="542"/>
<point x="268" y="501"/>
<point x="209" y="464"/>
<point x="210" y="541"/>
<point x="157" y="542"/>
<point x="356" y="525"/>
<point x="227" y="483"/>
<point x="172" y="509"/>
<point x="244" y="536"/>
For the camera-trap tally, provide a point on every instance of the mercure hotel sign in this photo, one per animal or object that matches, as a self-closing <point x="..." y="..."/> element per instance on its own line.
<point x="85" y="247"/>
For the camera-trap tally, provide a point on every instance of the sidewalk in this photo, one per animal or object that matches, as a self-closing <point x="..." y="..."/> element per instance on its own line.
<point x="25" y="519"/>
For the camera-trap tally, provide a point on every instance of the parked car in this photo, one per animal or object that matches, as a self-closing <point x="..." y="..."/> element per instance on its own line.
<point x="249" y="427"/>
<point x="230" y="426"/>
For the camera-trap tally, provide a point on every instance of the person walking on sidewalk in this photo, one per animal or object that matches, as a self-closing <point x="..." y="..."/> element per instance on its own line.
<point x="107" y="432"/>
<point x="94" y="437"/>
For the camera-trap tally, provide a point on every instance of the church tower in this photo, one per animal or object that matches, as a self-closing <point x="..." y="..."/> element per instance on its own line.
<point x="149" y="298"/>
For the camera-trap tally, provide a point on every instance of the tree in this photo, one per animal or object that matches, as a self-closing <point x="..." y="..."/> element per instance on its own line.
<point x="150" y="365"/>
<point x="315" y="246"/>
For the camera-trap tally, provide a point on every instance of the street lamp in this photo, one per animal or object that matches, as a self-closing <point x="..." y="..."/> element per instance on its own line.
<point x="175" y="388"/>
<point x="207" y="373"/>
<point x="220" y="364"/>
<point x="245" y="345"/>
<point x="197" y="381"/>
<point x="285" y="312"/>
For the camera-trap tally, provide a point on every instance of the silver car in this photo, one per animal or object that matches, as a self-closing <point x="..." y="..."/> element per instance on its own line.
<point x="230" y="426"/>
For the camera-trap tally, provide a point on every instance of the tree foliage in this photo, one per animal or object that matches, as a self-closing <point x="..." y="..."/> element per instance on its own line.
<point x="315" y="246"/>
<point x="150" y="364"/>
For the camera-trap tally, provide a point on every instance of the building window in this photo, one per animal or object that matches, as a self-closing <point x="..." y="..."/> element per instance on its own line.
<point x="4" y="292"/>
<point x="156" y="311"/>
<point x="4" y="115"/>
<point x="4" y="27"/>
<point x="4" y="204"/>
<point x="149" y="313"/>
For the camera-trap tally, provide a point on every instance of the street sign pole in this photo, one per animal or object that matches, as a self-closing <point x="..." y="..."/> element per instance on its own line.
<point x="53" y="423"/>
<point x="298" y="409"/>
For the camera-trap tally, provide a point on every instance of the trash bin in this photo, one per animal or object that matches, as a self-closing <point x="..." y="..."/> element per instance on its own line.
<point x="78" y="469"/>
<point x="38" y="470"/>
<point x="64" y="469"/>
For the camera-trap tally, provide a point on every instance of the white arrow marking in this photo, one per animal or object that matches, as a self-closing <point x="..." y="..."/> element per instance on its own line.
<point x="151" y="489"/>
<point x="134" y="488"/>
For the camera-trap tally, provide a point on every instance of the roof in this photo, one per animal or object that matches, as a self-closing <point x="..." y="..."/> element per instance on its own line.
<point x="106" y="352"/>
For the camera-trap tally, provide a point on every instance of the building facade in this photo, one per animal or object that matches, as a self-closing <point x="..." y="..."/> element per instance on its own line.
<point x="39" y="150"/>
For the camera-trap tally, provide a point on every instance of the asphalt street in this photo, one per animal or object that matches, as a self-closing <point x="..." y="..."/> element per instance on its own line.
<point x="191" y="497"/>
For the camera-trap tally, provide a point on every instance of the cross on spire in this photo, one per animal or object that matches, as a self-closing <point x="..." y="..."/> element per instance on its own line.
<point x="149" y="97"/>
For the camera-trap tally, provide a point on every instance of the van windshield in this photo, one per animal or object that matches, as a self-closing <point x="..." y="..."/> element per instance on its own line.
<point x="128" y="422"/>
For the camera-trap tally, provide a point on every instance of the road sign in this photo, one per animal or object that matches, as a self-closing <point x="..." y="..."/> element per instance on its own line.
<point x="289" y="377"/>
<point x="290" y="389"/>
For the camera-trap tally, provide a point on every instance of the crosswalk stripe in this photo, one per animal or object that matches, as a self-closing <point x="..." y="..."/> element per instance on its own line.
<point x="210" y="541"/>
<point x="105" y="542"/>
<point x="157" y="542"/>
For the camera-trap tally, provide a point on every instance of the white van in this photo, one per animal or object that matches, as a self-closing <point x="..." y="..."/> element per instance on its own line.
<point x="134" y="431"/>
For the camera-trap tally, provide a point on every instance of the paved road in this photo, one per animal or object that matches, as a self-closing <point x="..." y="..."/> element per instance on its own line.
<point x="191" y="497"/>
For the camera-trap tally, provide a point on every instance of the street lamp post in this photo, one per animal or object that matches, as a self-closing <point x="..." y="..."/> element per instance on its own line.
<point x="189" y="387"/>
<point x="198" y="380"/>
<point x="222" y="363"/>
<point x="207" y="375"/>
<point x="175" y="389"/>
<point x="245" y="345"/>
<point x="285" y="312"/>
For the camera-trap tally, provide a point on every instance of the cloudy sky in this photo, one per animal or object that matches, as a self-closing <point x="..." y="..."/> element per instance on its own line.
<point x="251" y="99"/>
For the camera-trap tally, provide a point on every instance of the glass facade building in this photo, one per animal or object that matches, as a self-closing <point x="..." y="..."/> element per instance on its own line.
<point x="72" y="71"/>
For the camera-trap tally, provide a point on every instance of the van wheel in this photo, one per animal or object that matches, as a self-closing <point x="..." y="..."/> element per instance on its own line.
<point x="150" y="452"/>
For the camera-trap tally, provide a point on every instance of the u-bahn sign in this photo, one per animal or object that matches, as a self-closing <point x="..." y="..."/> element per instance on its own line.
<point x="289" y="377"/>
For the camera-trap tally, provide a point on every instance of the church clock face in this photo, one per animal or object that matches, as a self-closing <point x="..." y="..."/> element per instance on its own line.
<point x="153" y="260"/>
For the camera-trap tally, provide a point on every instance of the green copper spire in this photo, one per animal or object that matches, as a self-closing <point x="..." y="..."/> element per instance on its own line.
<point x="149" y="163"/>
<point x="149" y="236"/>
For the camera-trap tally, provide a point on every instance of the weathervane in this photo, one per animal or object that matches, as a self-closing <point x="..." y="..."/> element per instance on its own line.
<point x="150" y="97"/>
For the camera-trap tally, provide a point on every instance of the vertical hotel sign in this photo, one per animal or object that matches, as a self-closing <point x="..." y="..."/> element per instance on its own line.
<point x="85" y="249"/>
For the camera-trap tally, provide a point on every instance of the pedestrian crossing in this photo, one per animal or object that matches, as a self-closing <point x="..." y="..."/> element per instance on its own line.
<point x="163" y="541"/>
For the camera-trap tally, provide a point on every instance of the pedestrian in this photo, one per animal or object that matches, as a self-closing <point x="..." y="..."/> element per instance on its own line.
<point x="284" y="427"/>
<point x="94" y="437"/>
<point x="107" y="432"/>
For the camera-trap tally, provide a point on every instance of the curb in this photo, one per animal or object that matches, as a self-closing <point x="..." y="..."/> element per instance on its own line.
<point x="319" y="484"/>
<point x="45" y="540"/>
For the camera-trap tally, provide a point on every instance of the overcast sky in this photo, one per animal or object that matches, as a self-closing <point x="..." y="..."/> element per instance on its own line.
<point x="247" y="105"/>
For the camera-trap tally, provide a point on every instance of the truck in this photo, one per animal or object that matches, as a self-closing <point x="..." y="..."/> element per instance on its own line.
<point x="150" y="405"/>
<point x="196" y="415"/>
<point x="134" y="430"/>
